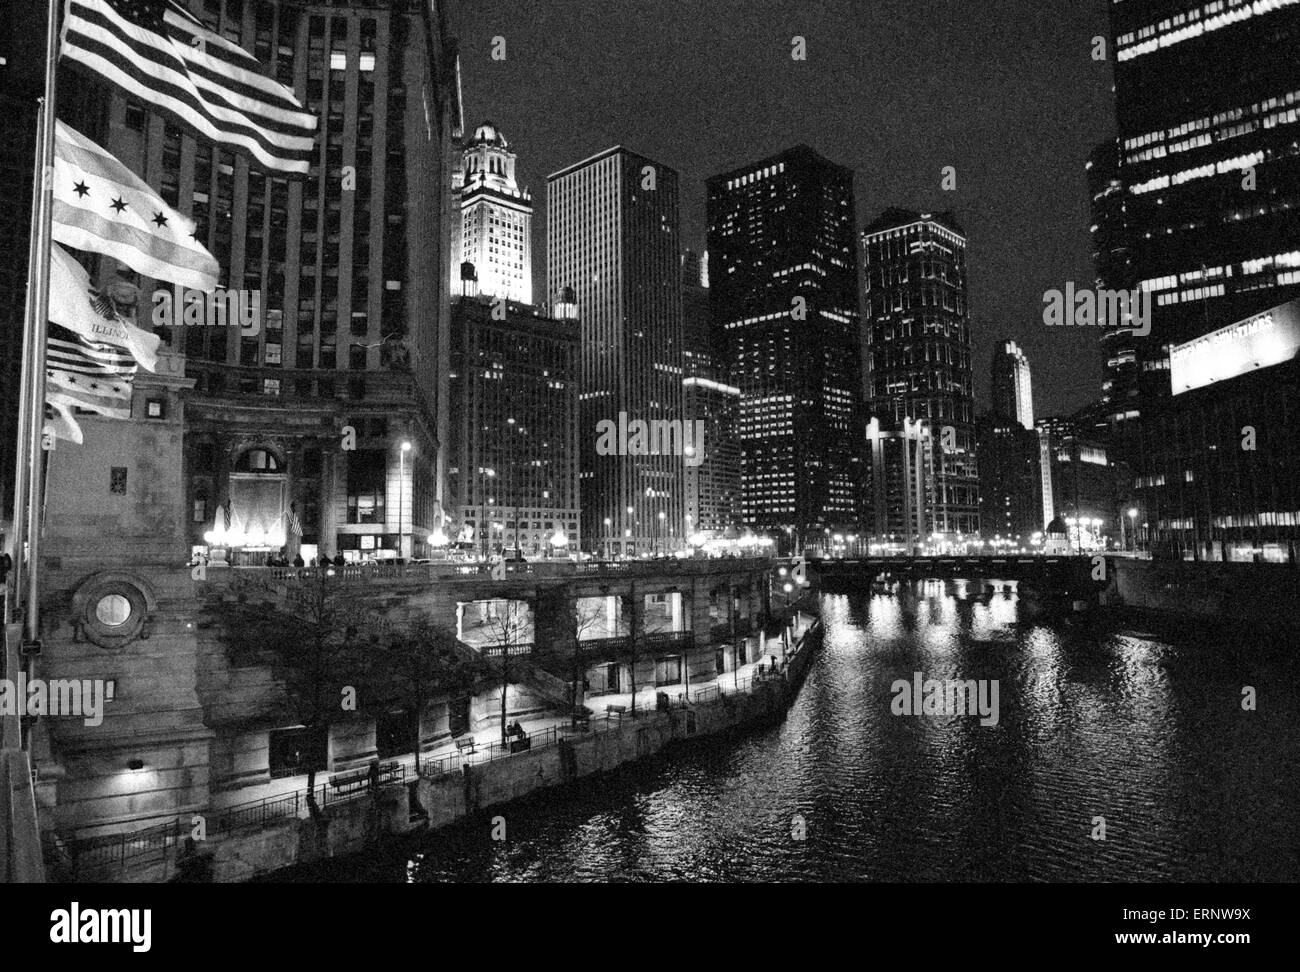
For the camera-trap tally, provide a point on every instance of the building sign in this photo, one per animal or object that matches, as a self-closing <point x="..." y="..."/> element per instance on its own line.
<point x="1257" y="342"/>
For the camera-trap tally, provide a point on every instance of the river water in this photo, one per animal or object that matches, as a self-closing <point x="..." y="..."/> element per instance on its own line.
<point x="1137" y="722"/>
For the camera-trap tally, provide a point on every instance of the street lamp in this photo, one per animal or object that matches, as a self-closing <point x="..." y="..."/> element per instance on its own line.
<point x="1132" y="526"/>
<point x="662" y="517"/>
<point x="401" y="496"/>
<point x="608" y="524"/>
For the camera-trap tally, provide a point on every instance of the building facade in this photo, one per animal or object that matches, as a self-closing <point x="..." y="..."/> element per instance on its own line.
<point x="494" y="228"/>
<point x="1221" y="480"/>
<point x="1013" y="394"/>
<point x="612" y="239"/>
<point x="1207" y="99"/>
<point x="513" y="460"/>
<point x="1011" y="481"/>
<point x="329" y="415"/>
<point x="783" y="289"/>
<point x="916" y="356"/>
<point x="712" y="481"/>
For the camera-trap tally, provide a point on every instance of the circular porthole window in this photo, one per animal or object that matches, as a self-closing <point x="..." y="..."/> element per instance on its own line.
<point x="113" y="610"/>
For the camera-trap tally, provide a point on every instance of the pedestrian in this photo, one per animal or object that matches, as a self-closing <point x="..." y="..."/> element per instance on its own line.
<point x="338" y="559"/>
<point x="297" y="560"/>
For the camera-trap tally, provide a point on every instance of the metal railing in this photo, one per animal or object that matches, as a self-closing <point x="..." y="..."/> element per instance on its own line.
<point x="454" y="569"/>
<point x="137" y="848"/>
<point x="123" y="850"/>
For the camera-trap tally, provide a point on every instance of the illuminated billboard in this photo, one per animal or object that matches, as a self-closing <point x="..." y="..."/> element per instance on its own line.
<point x="1257" y="342"/>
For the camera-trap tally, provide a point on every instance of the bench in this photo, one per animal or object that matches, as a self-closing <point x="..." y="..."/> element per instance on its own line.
<point x="618" y="710"/>
<point x="464" y="743"/>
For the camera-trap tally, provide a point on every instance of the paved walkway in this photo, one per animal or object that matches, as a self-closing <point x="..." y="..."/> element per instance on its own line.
<point x="534" y="725"/>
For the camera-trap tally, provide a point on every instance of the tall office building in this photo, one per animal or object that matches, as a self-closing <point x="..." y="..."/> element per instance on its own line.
<point x="917" y="354"/>
<point x="513" y="449"/>
<point x="1011" y="483"/>
<point x="712" y="482"/>
<point x="612" y="238"/>
<point x="495" y="224"/>
<point x="1116" y="409"/>
<point x="1013" y="395"/>
<point x="1207" y="97"/>
<point x="783" y="280"/>
<point x="350" y="266"/>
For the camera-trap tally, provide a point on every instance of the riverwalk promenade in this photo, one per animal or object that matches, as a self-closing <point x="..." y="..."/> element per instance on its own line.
<point x="253" y="830"/>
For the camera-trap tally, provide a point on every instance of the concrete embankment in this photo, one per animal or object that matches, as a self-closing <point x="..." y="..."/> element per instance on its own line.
<point x="431" y="802"/>
<point x="1255" y="594"/>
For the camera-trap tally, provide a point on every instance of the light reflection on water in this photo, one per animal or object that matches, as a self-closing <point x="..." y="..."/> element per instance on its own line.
<point x="1096" y="719"/>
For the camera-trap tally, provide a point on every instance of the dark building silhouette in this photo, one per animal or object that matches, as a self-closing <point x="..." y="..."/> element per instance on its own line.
<point x="20" y="87"/>
<point x="783" y="283"/>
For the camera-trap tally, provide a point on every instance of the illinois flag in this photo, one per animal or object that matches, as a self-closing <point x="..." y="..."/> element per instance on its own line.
<point x="102" y="206"/>
<point x="91" y="352"/>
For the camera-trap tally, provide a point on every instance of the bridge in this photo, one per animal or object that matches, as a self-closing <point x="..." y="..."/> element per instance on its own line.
<point x="1076" y="576"/>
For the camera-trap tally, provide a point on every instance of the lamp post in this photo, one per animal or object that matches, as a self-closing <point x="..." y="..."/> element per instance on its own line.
<point x="482" y="524"/>
<point x="1132" y="526"/>
<point x="608" y="542"/>
<point x="662" y="518"/>
<point x="401" y="497"/>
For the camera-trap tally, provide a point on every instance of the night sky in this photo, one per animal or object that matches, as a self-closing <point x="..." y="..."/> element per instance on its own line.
<point x="1004" y="90"/>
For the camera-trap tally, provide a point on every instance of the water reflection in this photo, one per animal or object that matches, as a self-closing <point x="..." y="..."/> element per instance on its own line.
<point x="1097" y="718"/>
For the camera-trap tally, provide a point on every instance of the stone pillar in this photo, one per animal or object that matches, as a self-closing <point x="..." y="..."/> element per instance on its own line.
<point x="698" y="612"/>
<point x="554" y="625"/>
<point x="675" y="606"/>
<point x="331" y="478"/>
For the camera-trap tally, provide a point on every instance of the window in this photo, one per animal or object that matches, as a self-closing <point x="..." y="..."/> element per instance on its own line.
<point x="200" y="510"/>
<point x="155" y="408"/>
<point x="117" y="480"/>
<point x="113" y="610"/>
<point x="667" y="671"/>
<point x="367" y="475"/>
<point x="294" y="751"/>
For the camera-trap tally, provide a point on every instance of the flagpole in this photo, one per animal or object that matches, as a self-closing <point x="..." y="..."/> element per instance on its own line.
<point x="38" y="306"/>
<point x="19" y="532"/>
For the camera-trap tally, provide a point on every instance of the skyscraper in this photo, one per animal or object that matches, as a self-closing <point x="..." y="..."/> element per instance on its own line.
<point x="713" y="478"/>
<point x="513" y="449"/>
<point x="917" y="355"/>
<point x="1207" y="98"/>
<point x="494" y="228"/>
<point x="335" y="406"/>
<point x="783" y="279"/>
<point x="1013" y="395"/>
<point x="612" y="237"/>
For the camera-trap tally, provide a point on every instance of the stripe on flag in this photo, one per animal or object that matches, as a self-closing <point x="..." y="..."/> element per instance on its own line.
<point x="96" y="377"/>
<point x="102" y="206"/>
<point x="158" y="52"/>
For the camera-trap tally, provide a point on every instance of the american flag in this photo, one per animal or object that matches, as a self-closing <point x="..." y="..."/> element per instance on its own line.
<point x="93" y="376"/>
<point x="156" y="51"/>
<point x="295" y="526"/>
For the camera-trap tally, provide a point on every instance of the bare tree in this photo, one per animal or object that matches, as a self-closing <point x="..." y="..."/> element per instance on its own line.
<point x="416" y="664"/>
<point x="310" y="645"/>
<point x="507" y="629"/>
